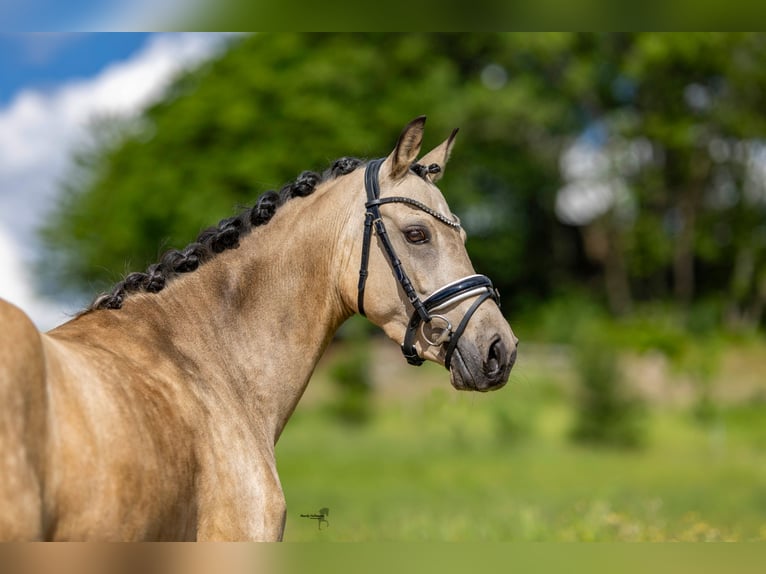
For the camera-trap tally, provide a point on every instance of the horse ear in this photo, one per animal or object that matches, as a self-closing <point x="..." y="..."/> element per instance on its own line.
<point x="405" y="153"/>
<point x="439" y="156"/>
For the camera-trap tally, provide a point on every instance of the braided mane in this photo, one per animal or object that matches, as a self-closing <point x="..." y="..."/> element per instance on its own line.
<point x="214" y="240"/>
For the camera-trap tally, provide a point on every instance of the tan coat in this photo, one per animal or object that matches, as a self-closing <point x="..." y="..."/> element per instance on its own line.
<point x="158" y="421"/>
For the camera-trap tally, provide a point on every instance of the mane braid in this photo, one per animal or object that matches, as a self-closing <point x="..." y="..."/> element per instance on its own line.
<point x="214" y="240"/>
<point x="422" y="170"/>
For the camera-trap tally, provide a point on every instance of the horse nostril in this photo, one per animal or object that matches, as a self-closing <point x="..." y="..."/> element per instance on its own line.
<point x="495" y="364"/>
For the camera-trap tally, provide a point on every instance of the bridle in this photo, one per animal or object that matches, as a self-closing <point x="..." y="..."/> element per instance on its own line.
<point x="425" y="312"/>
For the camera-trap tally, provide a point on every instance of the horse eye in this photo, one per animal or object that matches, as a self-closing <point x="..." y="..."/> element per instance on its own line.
<point x="416" y="235"/>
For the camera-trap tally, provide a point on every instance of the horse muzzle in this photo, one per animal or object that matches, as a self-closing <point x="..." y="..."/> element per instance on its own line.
<point x="475" y="361"/>
<point x="482" y="369"/>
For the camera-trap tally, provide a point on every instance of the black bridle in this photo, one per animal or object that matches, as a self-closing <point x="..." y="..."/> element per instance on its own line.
<point x="425" y="312"/>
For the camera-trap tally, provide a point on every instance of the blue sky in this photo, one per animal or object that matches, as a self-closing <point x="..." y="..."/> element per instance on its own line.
<point x="51" y="86"/>
<point x="47" y="14"/>
<point x="97" y="15"/>
<point x="43" y="61"/>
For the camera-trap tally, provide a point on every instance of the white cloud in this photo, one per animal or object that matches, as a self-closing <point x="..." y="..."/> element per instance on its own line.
<point x="40" y="129"/>
<point x="16" y="287"/>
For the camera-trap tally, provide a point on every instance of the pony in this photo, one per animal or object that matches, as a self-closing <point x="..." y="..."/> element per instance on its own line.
<point x="154" y="413"/>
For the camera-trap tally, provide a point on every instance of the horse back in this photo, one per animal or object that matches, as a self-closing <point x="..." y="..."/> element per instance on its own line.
<point x="22" y="425"/>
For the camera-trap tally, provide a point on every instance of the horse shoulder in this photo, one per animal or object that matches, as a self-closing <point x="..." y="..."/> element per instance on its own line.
<point x="22" y="374"/>
<point x="22" y="424"/>
<point x="123" y="442"/>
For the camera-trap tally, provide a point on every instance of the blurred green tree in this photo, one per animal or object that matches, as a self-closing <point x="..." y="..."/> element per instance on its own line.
<point x="276" y="104"/>
<point x="665" y="131"/>
<point x="351" y="374"/>
<point x="680" y="144"/>
<point x="607" y="415"/>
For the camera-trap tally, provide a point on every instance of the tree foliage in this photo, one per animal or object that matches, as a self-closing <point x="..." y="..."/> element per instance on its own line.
<point x="673" y="124"/>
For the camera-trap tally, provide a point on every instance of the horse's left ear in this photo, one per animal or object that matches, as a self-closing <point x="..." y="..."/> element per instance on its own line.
<point x="405" y="153"/>
<point x="439" y="156"/>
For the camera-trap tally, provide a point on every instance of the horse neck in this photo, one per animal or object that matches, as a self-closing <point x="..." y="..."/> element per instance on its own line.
<point x="254" y="321"/>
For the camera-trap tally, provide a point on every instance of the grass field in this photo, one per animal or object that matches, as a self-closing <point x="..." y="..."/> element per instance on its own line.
<point x="436" y="464"/>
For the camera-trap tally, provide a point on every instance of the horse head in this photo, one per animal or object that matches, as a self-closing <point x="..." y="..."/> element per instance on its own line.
<point x="415" y="278"/>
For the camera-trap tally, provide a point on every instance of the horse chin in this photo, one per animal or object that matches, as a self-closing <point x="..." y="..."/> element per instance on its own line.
<point x="460" y="375"/>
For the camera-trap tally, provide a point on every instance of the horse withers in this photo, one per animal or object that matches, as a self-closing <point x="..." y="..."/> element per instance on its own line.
<point x="153" y="415"/>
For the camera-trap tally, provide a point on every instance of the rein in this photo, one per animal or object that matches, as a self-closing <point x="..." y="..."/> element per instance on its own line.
<point x="424" y="312"/>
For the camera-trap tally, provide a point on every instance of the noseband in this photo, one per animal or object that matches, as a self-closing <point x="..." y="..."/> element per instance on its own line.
<point x="425" y="312"/>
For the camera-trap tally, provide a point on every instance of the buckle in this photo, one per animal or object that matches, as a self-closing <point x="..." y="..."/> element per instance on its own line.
<point x="412" y="357"/>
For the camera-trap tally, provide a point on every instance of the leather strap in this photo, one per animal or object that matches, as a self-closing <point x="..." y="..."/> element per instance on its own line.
<point x="478" y="286"/>
<point x="450" y="294"/>
<point x="461" y="327"/>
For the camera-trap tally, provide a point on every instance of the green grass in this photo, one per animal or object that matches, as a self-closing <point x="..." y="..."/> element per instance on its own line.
<point x="462" y="466"/>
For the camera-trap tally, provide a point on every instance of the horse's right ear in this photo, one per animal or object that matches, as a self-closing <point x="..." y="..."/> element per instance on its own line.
<point x="407" y="149"/>
<point x="439" y="156"/>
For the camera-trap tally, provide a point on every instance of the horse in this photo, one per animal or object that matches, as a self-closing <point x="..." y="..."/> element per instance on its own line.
<point x="154" y="413"/>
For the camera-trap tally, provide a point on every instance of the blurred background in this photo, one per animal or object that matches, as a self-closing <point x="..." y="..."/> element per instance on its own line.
<point x="613" y="186"/>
